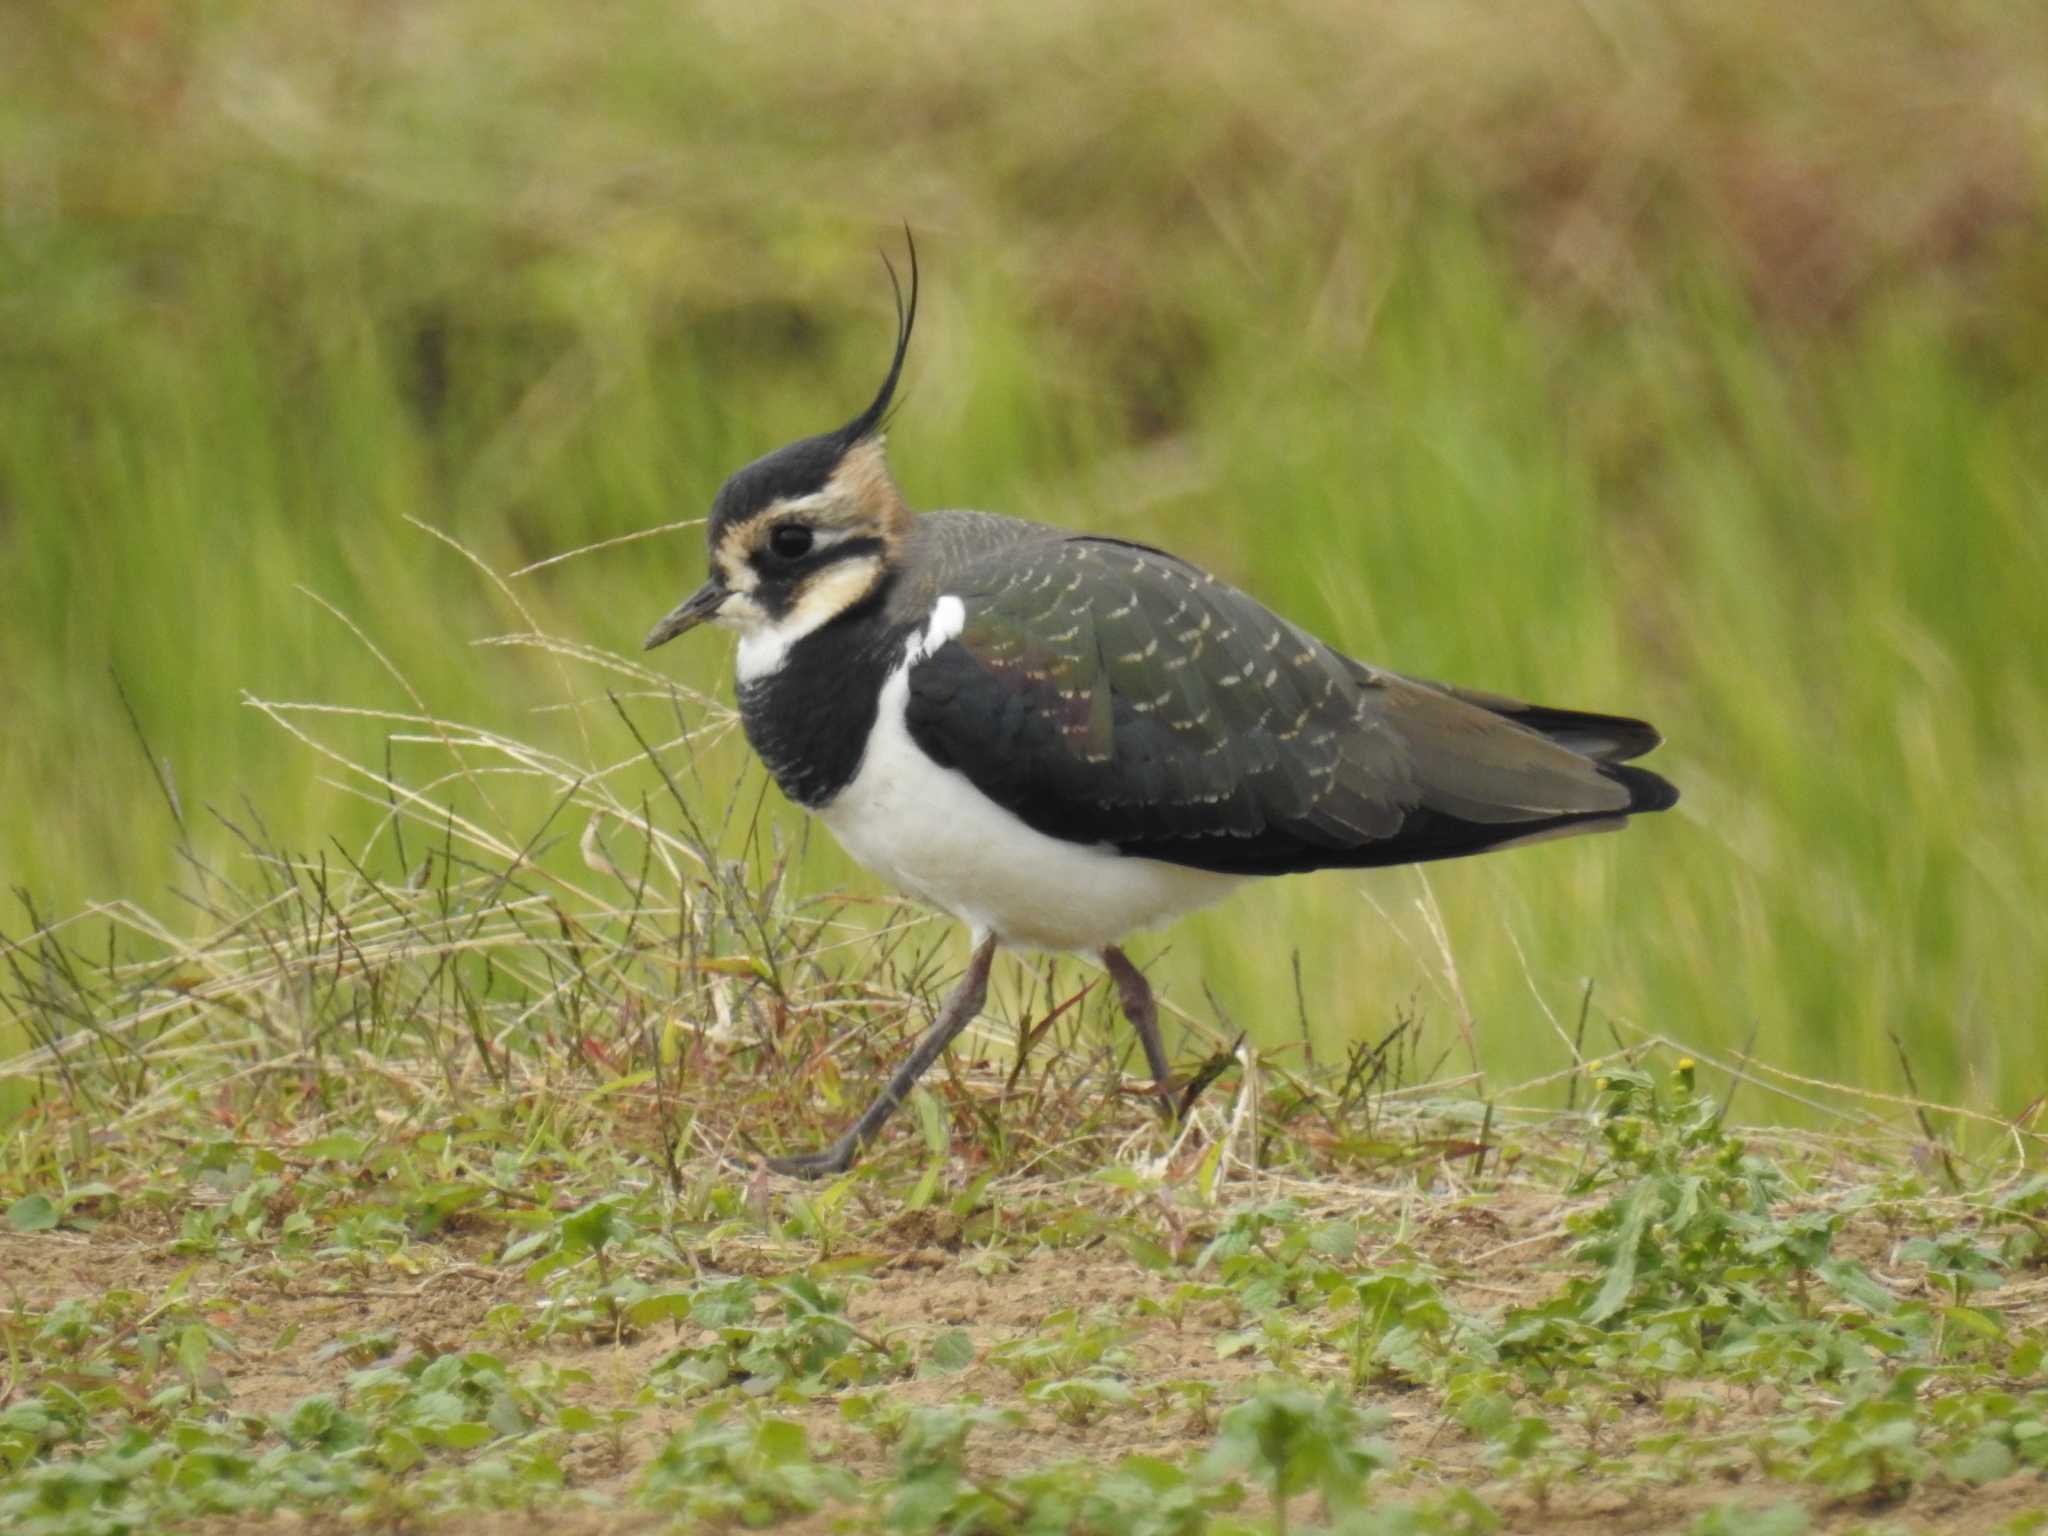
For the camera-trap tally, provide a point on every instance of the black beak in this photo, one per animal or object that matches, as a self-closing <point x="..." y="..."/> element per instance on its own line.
<point x="700" y="605"/>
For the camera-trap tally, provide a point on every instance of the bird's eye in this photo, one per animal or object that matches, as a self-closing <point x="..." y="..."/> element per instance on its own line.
<point x="792" y="541"/>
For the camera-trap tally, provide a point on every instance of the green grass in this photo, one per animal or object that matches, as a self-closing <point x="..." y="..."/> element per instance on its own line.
<point x="1683" y="365"/>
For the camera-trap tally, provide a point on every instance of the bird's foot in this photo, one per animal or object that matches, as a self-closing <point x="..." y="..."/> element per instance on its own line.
<point x="1206" y="1074"/>
<point x="1163" y="1098"/>
<point x="834" y="1160"/>
<point x="811" y="1165"/>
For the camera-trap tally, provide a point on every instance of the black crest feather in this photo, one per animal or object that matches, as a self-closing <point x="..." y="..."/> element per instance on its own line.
<point x="870" y="421"/>
<point x="801" y="467"/>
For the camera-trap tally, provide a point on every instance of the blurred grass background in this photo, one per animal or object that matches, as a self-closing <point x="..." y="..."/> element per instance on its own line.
<point x="1680" y="360"/>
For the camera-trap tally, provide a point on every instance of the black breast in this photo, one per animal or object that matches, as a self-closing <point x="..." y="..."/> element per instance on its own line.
<point x="809" y="719"/>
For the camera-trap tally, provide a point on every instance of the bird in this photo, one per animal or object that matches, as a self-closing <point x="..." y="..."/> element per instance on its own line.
<point x="1062" y="738"/>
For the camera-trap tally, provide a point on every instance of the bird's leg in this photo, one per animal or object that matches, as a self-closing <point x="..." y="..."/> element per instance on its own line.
<point x="955" y="1014"/>
<point x="1136" y="995"/>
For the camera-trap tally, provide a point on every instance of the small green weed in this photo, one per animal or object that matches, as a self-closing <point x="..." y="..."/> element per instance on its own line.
<point x="787" y="1336"/>
<point x="1292" y="1440"/>
<point x="730" y="1465"/>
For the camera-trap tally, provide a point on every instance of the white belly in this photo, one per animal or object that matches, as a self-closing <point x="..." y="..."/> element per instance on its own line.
<point x="930" y="831"/>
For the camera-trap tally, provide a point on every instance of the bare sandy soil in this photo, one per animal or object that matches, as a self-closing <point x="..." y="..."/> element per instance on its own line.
<point x="290" y="1330"/>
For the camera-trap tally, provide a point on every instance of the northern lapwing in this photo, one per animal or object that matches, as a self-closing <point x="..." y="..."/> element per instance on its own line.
<point x="1061" y="738"/>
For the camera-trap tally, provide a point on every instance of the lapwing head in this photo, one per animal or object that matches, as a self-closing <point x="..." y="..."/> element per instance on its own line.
<point x="803" y="534"/>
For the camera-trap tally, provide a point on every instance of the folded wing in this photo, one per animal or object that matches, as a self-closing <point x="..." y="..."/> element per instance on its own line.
<point x="1109" y="693"/>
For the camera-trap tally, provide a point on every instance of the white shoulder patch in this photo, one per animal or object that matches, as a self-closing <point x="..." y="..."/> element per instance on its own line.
<point x="948" y="618"/>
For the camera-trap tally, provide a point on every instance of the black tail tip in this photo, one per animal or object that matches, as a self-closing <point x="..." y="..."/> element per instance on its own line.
<point x="1647" y="791"/>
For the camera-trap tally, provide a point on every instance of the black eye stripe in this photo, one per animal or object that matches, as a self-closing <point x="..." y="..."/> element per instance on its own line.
<point x="850" y="548"/>
<point x="764" y="559"/>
